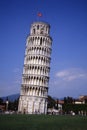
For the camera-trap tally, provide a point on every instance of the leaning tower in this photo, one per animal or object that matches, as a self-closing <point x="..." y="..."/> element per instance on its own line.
<point x="35" y="78"/>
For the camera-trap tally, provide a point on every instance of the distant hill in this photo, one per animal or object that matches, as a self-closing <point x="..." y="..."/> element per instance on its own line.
<point x="11" y="97"/>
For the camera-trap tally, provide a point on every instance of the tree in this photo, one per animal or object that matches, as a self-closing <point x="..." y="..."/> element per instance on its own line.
<point x="68" y="100"/>
<point x="13" y="105"/>
<point x="51" y="102"/>
<point x="1" y="101"/>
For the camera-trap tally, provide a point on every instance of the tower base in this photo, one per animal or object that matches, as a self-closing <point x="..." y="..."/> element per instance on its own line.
<point x="32" y="105"/>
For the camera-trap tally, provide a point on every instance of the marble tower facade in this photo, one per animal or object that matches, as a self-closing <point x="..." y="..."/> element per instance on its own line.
<point x="35" y="78"/>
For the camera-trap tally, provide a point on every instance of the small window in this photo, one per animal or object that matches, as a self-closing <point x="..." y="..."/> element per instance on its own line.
<point x="46" y="28"/>
<point x="42" y="30"/>
<point x="37" y="26"/>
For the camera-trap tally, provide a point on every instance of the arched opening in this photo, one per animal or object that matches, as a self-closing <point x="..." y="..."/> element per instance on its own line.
<point x="41" y="41"/>
<point x="34" y="31"/>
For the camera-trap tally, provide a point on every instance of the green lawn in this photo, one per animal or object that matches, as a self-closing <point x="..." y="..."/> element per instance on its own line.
<point x="42" y="122"/>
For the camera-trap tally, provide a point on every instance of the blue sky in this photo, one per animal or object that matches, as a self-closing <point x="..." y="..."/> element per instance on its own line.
<point x="68" y="20"/>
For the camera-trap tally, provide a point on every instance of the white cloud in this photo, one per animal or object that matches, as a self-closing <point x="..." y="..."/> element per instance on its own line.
<point x="71" y="74"/>
<point x="62" y="73"/>
<point x="69" y="82"/>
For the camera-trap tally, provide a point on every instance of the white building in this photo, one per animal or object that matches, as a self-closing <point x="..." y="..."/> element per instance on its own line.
<point x="35" y="78"/>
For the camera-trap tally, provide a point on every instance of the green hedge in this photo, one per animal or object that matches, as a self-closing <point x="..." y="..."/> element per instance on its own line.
<point x="74" y="107"/>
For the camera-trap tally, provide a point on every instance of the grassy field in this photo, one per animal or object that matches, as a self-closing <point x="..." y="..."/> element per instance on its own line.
<point x="42" y="122"/>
